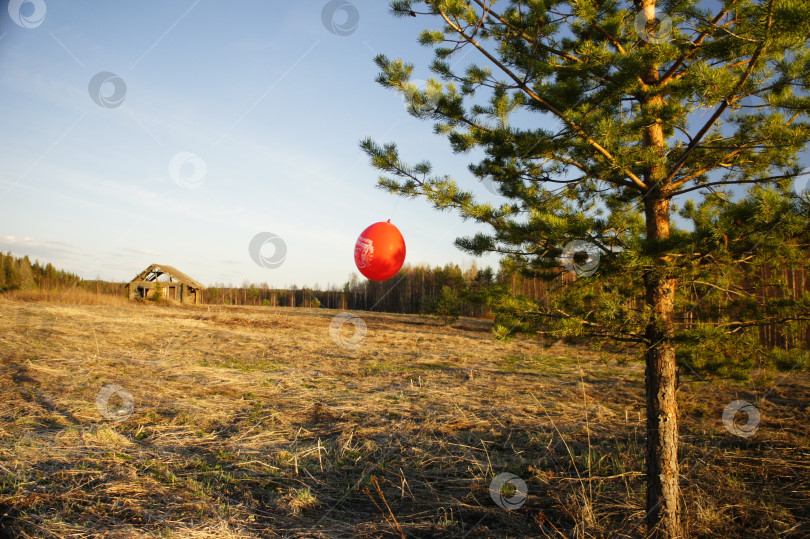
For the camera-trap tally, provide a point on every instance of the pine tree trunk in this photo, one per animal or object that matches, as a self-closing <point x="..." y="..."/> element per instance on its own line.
<point x="663" y="520"/>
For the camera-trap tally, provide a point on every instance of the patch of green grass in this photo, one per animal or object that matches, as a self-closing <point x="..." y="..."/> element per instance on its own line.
<point x="117" y="455"/>
<point x="378" y="367"/>
<point x="512" y="363"/>
<point x="304" y="496"/>
<point x="535" y="363"/>
<point x="429" y="366"/>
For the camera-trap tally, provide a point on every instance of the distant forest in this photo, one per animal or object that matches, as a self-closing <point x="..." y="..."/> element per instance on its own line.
<point x="414" y="290"/>
<point x="446" y="292"/>
<point x="21" y="274"/>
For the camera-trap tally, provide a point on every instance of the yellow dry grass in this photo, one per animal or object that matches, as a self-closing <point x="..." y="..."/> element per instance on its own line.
<point x="254" y="422"/>
<point x="67" y="296"/>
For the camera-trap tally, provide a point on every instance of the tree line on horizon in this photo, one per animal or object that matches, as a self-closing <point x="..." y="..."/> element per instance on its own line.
<point x="446" y="293"/>
<point x="416" y="289"/>
<point x="19" y="273"/>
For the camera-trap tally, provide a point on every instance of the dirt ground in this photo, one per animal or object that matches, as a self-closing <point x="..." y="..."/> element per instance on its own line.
<point x="144" y="420"/>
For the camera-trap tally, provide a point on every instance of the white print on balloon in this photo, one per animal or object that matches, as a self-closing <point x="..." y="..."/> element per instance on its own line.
<point x="353" y="342"/>
<point x="363" y="251"/>
<point x="379" y="251"/>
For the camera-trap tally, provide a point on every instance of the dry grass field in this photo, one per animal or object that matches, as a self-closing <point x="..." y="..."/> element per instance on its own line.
<point x="254" y="422"/>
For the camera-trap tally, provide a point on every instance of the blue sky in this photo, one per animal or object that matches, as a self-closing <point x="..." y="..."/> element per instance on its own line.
<point x="270" y="101"/>
<point x="218" y="121"/>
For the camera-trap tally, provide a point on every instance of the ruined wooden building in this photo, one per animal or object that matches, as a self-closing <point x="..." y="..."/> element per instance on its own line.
<point x="173" y="283"/>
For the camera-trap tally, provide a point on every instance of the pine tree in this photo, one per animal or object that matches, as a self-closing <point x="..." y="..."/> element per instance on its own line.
<point x="157" y="295"/>
<point x="447" y="306"/>
<point x="630" y="106"/>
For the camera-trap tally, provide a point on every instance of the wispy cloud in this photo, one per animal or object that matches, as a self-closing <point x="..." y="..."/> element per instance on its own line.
<point x="143" y="251"/>
<point x="46" y="251"/>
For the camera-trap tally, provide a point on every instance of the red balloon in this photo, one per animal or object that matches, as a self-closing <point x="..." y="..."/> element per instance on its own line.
<point x="380" y="251"/>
